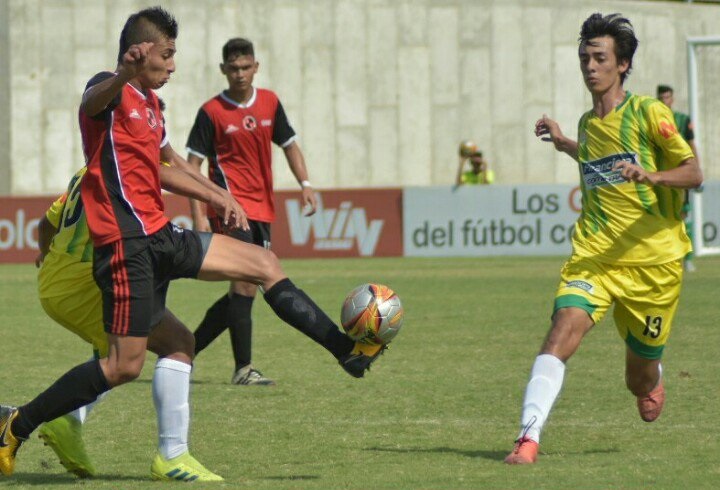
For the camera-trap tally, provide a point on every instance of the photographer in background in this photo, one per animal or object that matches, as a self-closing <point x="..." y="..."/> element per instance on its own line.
<point x="480" y="172"/>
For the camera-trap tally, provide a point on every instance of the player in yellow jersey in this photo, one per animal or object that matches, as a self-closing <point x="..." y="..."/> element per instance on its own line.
<point x="629" y="240"/>
<point x="70" y="296"/>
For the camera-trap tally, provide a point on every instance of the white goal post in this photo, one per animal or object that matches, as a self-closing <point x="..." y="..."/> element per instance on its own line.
<point x="694" y="102"/>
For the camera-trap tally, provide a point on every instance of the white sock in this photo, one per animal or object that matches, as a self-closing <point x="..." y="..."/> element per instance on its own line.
<point x="82" y="413"/>
<point x="171" y="392"/>
<point x="546" y="379"/>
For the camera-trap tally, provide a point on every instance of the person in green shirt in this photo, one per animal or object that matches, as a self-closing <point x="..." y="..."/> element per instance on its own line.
<point x="666" y="95"/>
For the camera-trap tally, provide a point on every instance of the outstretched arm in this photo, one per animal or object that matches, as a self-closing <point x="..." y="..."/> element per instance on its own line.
<point x="549" y="130"/>
<point x="46" y="232"/>
<point x="134" y="61"/>
<point x="192" y="168"/>
<point x="458" y="178"/>
<point x="179" y="181"/>
<point x="296" y="161"/>
<point x="197" y="211"/>
<point x="687" y="175"/>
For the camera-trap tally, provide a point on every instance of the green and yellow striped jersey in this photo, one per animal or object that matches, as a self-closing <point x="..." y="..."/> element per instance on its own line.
<point x="68" y="264"/>
<point x="622" y="222"/>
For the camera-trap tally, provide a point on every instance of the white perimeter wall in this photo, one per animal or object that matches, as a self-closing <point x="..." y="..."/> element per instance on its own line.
<point x="380" y="91"/>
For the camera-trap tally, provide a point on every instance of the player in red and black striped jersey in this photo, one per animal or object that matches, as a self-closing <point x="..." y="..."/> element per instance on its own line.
<point x="137" y="252"/>
<point x="235" y="130"/>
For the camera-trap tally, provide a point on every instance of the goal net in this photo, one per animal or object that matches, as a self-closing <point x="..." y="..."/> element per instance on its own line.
<point x="704" y="101"/>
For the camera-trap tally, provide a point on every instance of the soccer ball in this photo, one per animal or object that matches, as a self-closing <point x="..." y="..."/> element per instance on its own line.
<point x="372" y="314"/>
<point x="467" y="148"/>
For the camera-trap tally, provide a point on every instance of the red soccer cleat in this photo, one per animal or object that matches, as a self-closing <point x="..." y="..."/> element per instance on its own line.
<point x="650" y="406"/>
<point x="524" y="452"/>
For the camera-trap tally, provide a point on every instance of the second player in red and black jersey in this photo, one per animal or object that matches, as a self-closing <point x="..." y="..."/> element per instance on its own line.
<point x="236" y="139"/>
<point x="235" y="131"/>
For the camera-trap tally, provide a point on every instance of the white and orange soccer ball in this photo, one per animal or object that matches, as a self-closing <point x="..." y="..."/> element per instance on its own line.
<point x="372" y="314"/>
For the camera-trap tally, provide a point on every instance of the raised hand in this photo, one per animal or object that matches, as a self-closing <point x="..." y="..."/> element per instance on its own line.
<point x="549" y="130"/>
<point x="136" y="59"/>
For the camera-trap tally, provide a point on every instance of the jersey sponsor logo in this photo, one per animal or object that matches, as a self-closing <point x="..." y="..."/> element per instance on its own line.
<point x="266" y="122"/>
<point x="134" y="114"/>
<point x="333" y="229"/>
<point x="231" y="129"/>
<point x="667" y="129"/>
<point x="585" y="286"/>
<point x="600" y="172"/>
<point x="151" y="119"/>
<point x="249" y="123"/>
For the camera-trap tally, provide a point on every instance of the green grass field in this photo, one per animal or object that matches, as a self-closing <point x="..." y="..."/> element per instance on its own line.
<point x="439" y="410"/>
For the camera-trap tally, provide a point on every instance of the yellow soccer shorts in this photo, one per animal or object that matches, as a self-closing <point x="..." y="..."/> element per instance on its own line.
<point x="645" y="297"/>
<point x="80" y="312"/>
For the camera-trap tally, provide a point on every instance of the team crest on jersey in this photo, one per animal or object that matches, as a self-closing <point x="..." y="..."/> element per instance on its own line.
<point x="151" y="119"/>
<point x="600" y="172"/>
<point x="249" y="123"/>
<point x="667" y="129"/>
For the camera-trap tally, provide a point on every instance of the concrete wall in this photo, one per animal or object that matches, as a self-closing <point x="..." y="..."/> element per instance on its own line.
<point x="4" y="101"/>
<point x="380" y="91"/>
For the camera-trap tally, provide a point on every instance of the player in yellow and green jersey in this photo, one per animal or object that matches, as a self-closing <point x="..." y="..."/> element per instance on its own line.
<point x="629" y="240"/>
<point x="70" y="296"/>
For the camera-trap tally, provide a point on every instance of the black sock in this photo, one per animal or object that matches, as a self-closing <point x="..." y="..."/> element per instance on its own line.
<point x="240" y="328"/>
<point x="214" y="323"/>
<point x="74" y="389"/>
<point x="295" y="307"/>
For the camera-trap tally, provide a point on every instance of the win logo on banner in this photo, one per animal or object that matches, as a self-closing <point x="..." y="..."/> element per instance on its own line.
<point x="333" y="229"/>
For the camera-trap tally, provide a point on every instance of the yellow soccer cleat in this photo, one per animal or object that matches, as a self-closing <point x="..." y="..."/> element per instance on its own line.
<point x="9" y="444"/>
<point x="64" y="436"/>
<point x="359" y="359"/>
<point x="181" y="468"/>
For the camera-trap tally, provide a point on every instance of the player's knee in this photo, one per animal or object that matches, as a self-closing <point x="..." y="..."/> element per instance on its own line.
<point x="123" y="372"/>
<point x="270" y="266"/>
<point x="184" y="342"/>
<point x="172" y="340"/>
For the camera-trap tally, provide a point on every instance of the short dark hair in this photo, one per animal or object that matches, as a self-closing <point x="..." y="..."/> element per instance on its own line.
<point x="663" y="89"/>
<point x="617" y="27"/>
<point x="145" y="26"/>
<point x="237" y="46"/>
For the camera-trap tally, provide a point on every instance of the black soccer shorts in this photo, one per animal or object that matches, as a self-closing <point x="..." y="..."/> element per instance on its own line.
<point x="134" y="273"/>
<point x="258" y="234"/>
